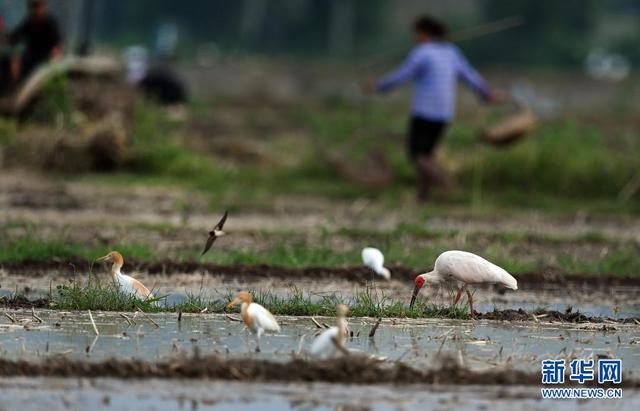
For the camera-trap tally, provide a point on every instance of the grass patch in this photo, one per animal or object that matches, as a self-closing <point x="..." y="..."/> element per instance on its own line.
<point x="364" y="303"/>
<point x="32" y="248"/>
<point x="623" y="263"/>
<point x="99" y="296"/>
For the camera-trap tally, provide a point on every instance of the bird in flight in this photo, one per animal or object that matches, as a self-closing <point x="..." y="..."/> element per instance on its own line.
<point x="215" y="233"/>
<point x="459" y="269"/>
<point x="125" y="283"/>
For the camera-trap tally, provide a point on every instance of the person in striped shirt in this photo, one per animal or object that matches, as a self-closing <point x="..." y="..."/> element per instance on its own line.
<point x="434" y="66"/>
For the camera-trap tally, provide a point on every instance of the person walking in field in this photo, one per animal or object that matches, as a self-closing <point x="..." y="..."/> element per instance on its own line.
<point x="434" y="66"/>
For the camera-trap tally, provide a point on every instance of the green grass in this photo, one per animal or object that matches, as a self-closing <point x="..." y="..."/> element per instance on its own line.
<point x="624" y="263"/>
<point x="96" y="295"/>
<point x="32" y="248"/>
<point x="365" y="303"/>
<point x="415" y="250"/>
<point x="562" y="166"/>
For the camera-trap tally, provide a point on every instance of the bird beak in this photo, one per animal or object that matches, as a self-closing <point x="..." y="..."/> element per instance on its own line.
<point x="233" y="302"/>
<point x="416" y="290"/>
<point x="105" y="258"/>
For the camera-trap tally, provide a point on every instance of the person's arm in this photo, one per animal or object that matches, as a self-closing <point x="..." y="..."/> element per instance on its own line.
<point x="401" y="75"/>
<point x="471" y="78"/>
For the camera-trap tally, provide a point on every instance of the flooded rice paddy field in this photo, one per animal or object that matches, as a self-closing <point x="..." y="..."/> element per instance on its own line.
<point x="32" y="205"/>
<point x="478" y="345"/>
<point x="56" y="394"/>
<point x="617" y="302"/>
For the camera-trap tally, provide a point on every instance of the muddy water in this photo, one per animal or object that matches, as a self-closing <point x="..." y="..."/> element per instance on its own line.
<point x="599" y="307"/>
<point x="478" y="344"/>
<point x="55" y="394"/>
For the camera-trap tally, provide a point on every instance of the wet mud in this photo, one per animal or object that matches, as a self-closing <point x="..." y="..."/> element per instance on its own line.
<point x="568" y="316"/>
<point x="20" y="301"/>
<point x="349" y="369"/>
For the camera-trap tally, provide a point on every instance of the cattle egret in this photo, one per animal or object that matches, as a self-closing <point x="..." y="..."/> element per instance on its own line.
<point x="257" y="318"/>
<point x="458" y="269"/>
<point x="333" y="339"/>
<point x="373" y="258"/>
<point x="125" y="283"/>
<point x="215" y="233"/>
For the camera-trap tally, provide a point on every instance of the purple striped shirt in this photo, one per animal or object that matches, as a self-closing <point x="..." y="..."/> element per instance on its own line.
<point x="435" y="67"/>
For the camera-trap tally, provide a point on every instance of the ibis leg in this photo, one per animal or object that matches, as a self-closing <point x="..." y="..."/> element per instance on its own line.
<point x="470" y="298"/>
<point x="458" y="295"/>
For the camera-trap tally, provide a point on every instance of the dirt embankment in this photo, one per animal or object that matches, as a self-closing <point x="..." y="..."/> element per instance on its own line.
<point x="350" y="369"/>
<point x="542" y="316"/>
<point x="568" y="316"/>
<point x="262" y="271"/>
<point x="20" y="302"/>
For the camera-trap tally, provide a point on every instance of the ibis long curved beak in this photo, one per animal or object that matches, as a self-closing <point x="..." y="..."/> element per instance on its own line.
<point x="416" y="290"/>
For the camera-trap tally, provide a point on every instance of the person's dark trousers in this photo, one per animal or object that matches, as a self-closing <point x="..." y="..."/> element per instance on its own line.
<point x="424" y="135"/>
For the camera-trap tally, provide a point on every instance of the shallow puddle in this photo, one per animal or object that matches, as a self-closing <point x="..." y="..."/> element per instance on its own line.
<point x="478" y="344"/>
<point x="55" y="394"/>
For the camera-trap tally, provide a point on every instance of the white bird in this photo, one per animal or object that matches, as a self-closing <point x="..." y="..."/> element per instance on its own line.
<point x="458" y="269"/>
<point x="374" y="259"/>
<point x="125" y="283"/>
<point x="332" y="339"/>
<point x="257" y="318"/>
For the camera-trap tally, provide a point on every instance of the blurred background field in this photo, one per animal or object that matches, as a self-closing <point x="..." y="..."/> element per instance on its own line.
<point x="277" y="131"/>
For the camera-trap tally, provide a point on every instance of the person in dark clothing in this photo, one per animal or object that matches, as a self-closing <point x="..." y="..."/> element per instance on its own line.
<point x="5" y="60"/>
<point x="41" y="36"/>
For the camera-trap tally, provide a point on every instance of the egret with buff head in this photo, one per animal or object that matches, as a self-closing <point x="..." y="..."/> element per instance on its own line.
<point x="257" y="318"/>
<point x="458" y="270"/>
<point x="125" y="283"/>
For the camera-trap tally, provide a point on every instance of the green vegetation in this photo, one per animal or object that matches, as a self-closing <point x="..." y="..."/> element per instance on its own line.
<point x="562" y="166"/>
<point x="54" y="104"/>
<point x="365" y="303"/>
<point x="416" y="249"/>
<point x="31" y="248"/>
<point x="98" y="296"/>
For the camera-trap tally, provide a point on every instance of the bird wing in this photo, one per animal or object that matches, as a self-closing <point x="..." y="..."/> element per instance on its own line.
<point x="372" y="257"/>
<point x="473" y="269"/>
<point x="132" y="286"/>
<point x="220" y="224"/>
<point x="324" y="343"/>
<point x="263" y="318"/>
<point x="210" y="241"/>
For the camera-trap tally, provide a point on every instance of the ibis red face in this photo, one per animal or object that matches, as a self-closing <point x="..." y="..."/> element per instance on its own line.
<point x="419" y="284"/>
